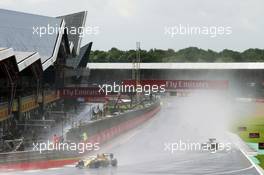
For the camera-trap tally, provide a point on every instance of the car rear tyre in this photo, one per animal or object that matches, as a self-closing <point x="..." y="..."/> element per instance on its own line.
<point x="114" y="162"/>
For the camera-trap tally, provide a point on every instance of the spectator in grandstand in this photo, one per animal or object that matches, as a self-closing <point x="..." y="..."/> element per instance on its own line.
<point x="55" y="139"/>
<point x="34" y="136"/>
<point x="61" y="139"/>
<point x="84" y="137"/>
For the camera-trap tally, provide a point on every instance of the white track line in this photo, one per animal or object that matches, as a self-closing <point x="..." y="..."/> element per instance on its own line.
<point x="243" y="152"/>
<point x="253" y="164"/>
<point x="233" y="171"/>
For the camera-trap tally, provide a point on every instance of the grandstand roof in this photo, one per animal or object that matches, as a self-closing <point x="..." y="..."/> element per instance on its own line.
<point x="201" y="66"/>
<point x="23" y="59"/>
<point x="17" y="32"/>
<point x="82" y="59"/>
<point x="20" y="36"/>
<point x="76" y="20"/>
<point x="6" y="53"/>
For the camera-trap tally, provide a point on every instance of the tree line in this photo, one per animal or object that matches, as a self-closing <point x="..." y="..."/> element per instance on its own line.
<point x="190" y="54"/>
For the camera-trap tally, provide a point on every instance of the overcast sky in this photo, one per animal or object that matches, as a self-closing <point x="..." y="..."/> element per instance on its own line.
<point x="124" y="22"/>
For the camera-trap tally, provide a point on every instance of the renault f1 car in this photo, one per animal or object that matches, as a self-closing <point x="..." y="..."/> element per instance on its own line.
<point x="101" y="160"/>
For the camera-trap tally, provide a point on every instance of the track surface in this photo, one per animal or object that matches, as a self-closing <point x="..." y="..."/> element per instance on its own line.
<point x="142" y="151"/>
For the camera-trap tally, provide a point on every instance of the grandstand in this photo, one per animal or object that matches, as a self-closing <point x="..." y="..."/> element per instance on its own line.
<point x="34" y="68"/>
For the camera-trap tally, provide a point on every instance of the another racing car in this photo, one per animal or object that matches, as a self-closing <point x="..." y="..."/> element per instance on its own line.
<point x="101" y="160"/>
<point x="211" y="145"/>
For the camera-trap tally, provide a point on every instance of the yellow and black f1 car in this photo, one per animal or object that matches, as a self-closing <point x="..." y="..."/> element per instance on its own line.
<point x="101" y="160"/>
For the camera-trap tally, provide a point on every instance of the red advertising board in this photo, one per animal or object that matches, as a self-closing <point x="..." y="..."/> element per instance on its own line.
<point x="184" y="84"/>
<point x="75" y="92"/>
<point x="96" y="92"/>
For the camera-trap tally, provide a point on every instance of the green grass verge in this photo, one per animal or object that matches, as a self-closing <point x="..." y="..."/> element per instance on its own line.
<point x="261" y="160"/>
<point x="253" y="125"/>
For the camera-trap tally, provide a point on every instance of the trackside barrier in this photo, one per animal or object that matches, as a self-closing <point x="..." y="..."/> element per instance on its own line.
<point x="99" y="131"/>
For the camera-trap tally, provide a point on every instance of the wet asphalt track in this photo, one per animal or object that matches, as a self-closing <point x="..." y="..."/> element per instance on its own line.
<point x="142" y="152"/>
